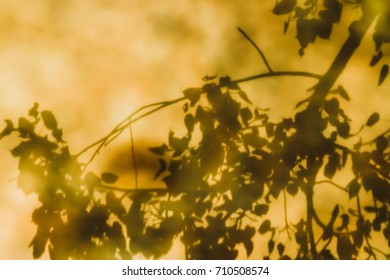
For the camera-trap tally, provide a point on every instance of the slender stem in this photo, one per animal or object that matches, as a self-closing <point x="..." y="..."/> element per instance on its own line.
<point x="133" y="157"/>
<point x="257" y="48"/>
<point x="121" y="126"/>
<point x="364" y="234"/>
<point x="332" y="183"/>
<point x="127" y="191"/>
<point x="285" y="213"/>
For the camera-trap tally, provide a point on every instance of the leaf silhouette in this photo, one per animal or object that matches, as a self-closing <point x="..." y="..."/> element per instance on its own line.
<point x="284" y="7"/>
<point x="383" y="74"/>
<point x="49" y="120"/>
<point x="109" y="178"/>
<point x="373" y="119"/>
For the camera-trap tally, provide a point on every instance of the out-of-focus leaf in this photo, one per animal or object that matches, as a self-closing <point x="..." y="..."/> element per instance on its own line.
<point x="344" y="222"/>
<point x="265" y="226"/>
<point x="383" y="74"/>
<point x="353" y="188"/>
<point x="49" y="120"/>
<point x="332" y="165"/>
<point x="280" y="248"/>
<point x="109" y="178"/>
<point x="189" y="121"/>
<point x="373" y="119"/>
<point x="244" y="96"/>
<point x="163" y="167"/>
<point x="284" y="7"/>
<point x="381" y="143"/>
<point x="193" y="94"/>
<point x="208" y="78"/>
<point x="375" y="59"/>
<point x="8" y="129"/>
<point x="261" y="209"/>
<point x="345" y="248"/>
<point x="271" y="246"/>
<point x="33" y="112"/>
<point x="159" y="150"/>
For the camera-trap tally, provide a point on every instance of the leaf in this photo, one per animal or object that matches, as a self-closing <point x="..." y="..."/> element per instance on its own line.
<point x="109" y="178"/>
<point x="284" y="7"/>
<point x="324" y="29"/>
<point x="244" y="96"/>
<point x="332" y="165"/>
<point x="208" y="78"/>
<point x="39" y="241"/>
<point x="265" y="226"/>
<point x="383" y="74"/>
<point x="342" y="92"/>
<point x="261" y="209"/>
<point x="345" y="248"/>
<point x="114" y="204"/>
<point x="344" y="222"/>
<point x="292" y="189"/>
<point x="159" y="150"/>
<point x="271" y="246"/>
<point x="25" y="127"/>
<point x="246" y="115"/>
<point x="248" y="244"/>
<point x="189" y="121"/>
<point x="335" y="213"/>
<point x="286" y="25"/>
<point x="163" y="167"/>
<point x="280" y="248"/>
<point x="375" y="58"/>
<point x="49" y="120"/>
<point x="373" y="119"/>
<point x="269" y="129"/>
<point x="343" y="129"/>
<point x="332" y="107"/>
<point x="353" y="188"/>
<point x="33" y="112"/>
<point x="9" y="127"/>
<point x="381" y="143"/>
<point x="193" y="94"/>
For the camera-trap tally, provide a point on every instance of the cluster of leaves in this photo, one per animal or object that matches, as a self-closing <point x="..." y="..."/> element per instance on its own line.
<point x="221" y="179"/>
<point x="222" y="176"/>
<point x="72" y="222"/>
<point x="242" y="162"/>
<point x="315" y="19"/>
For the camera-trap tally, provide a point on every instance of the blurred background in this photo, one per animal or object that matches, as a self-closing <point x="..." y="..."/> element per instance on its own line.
<point x="93" y="62"/>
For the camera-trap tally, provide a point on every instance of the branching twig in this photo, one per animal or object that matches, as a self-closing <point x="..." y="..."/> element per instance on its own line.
<point x="257" y="48"/>
<point x="120" y="127"/>
<point x="133" y="157"/>
<point x="332" y="183"/>
<point x="364" y="234"/>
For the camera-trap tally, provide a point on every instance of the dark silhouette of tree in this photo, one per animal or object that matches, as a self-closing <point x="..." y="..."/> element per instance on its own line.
<point x="227" y="171"/>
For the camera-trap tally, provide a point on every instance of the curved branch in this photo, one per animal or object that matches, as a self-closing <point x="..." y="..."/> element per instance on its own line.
<point x="121" y="126"/>
<point x="331" y="183"/>
<point x="257" y="48"/>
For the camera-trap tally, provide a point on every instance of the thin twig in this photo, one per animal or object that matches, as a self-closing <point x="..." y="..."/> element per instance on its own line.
<point x="121" y="126"/>
<point x="127" y="191"/>
<point x="257" y="49"/>
<point x="332" y="183"/>
<point x="133" y="157"/>
<point x="285" y="213"/>
<point x="380" y="135"/>
<point x="364" y="234"/>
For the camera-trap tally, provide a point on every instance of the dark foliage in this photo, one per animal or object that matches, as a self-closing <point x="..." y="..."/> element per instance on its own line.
<point x="224" y="175"/>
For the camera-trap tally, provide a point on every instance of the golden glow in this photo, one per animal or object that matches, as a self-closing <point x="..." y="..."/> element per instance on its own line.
<point x="94" y="62"/>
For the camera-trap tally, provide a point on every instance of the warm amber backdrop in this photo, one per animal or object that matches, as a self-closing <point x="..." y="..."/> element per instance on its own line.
<point x="94" y="61"/>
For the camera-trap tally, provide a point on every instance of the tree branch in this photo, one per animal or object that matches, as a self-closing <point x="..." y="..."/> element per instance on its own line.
<point x="257" y="48"/>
